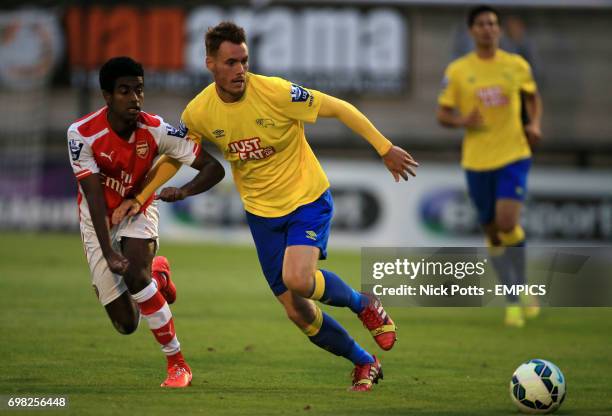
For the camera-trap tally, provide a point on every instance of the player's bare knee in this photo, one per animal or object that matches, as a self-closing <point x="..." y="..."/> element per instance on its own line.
<point x="136" y="280"/>
<point x="299" y="279"/>
<point x="298" y="283"/>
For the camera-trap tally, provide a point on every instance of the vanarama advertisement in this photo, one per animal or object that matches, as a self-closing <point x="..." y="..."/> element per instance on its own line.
<point x="431" y="209"/>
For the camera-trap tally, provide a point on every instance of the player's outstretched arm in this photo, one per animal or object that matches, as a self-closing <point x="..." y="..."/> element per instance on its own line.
<point x="210" y="173"/>
<point x="94" y="194"/>
<point x="397" y="160"/>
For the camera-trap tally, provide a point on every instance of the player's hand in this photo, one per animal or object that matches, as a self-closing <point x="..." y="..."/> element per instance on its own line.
<point x="117" y="263"/>
<point x="171" y="194"/>
<point x="400" y="163"/>
<point x="473" y="120"/>
<point x="128" y="208"/>
<point x="533" y="133"/>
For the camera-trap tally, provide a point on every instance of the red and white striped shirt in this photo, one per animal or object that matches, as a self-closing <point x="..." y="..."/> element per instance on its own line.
<point x="95" y="148"/>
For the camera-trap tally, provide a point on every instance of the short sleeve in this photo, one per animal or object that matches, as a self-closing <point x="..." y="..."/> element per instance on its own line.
<point x="449" y="93"/>
<point x="175" y="143"/>
<point x="295" y="101"/>
<point x="525" y="76"/>
<point x="188" y="126"/>
<point x="81" y="156"/>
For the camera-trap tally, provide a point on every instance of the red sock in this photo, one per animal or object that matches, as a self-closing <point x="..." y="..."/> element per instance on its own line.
<point x="155" y="310"/>
<point x="177" y="359"/>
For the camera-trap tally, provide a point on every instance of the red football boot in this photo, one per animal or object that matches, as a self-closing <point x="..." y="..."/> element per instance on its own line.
<point x="379" y="323"/>
<point x="160" y="268"/>
<point x="366" y="375"/>
<point x="179" y="375"/>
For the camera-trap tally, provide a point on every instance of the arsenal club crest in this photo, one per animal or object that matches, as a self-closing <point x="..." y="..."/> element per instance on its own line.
<point x="142" y="149"/>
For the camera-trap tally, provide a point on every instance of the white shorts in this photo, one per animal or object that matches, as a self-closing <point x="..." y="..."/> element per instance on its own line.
<point x="108" y="285"/>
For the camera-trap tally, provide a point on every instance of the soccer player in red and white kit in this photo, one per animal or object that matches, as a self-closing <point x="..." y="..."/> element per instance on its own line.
<point x="111" y="151"/>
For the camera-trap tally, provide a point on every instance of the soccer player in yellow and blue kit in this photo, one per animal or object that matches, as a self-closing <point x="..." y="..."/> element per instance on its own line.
<point x="482" y="94"/>
<point x="257" y="122"/>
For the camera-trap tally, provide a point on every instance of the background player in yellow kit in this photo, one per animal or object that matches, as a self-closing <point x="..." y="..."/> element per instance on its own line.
<point x="257" y="122"/>
<point x="481" y="94"/>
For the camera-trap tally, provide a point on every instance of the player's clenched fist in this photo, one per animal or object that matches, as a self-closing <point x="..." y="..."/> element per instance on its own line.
<point x="533" y="133"/>
<point x="128" y="208"/>
<point x="117" y="263"/>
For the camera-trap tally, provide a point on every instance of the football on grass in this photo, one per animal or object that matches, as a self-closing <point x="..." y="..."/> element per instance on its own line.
<point x="537" y="387"/>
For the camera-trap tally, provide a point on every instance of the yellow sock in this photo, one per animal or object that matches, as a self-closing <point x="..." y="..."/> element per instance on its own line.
<point x="512" y="237"/>
<point x="314" y="328"/>
<point x="319" y="286"/>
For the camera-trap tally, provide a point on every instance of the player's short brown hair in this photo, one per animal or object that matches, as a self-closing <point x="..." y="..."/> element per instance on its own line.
<point x="224" y="31"/>
<point x="476" y="11"/>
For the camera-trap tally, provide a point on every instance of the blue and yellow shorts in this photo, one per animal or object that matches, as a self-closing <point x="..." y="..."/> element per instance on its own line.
<point x="486" y="187"/>
<point x="308" y="225"/>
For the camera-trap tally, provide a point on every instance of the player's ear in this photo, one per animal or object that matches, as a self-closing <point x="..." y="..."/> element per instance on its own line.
<point x="209" y="63"/>
<point x="107" y="96"/>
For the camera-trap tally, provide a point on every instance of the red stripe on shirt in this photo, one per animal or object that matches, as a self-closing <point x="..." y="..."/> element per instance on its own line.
<point x="83" y="174"/>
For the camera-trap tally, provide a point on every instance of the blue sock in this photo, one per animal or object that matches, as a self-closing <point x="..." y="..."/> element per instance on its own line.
<point x="502" y="263"/>
<point x="331" y="290"/>
<point x="518" y="254"/>
<point x="514" y="240"/>
<point x="332" y="337"/>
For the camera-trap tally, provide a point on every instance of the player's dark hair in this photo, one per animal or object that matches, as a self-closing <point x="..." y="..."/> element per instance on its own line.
<point x="229" y="31"/>
<point x="474" y="12"/>
<point x="114" y="68"/>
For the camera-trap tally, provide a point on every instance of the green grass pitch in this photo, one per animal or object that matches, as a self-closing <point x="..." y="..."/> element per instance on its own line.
<point x="249" y="360"/>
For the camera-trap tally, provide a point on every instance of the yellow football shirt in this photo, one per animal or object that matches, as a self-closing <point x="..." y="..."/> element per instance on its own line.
<point x="262" y="136"/>
<point x="493" y="86"/>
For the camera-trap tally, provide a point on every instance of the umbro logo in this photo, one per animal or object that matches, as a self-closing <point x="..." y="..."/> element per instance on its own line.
<point x="311" y="235"/>
<point x="218" y="133"/>
<point x="264" y="122"/>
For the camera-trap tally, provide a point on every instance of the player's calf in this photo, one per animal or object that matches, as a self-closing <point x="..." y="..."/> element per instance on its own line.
<point x="330" y="289"/>
<point x="123" y="314"/>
